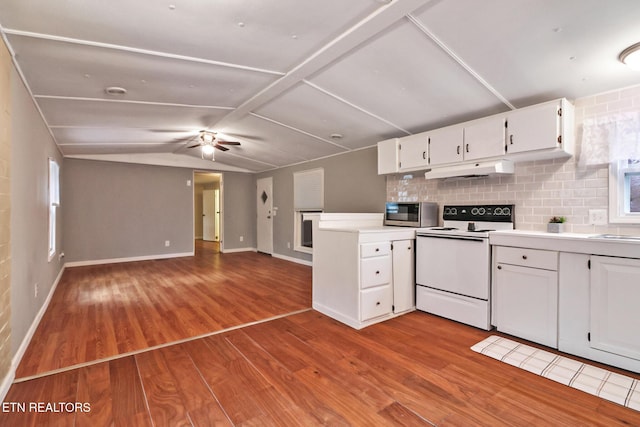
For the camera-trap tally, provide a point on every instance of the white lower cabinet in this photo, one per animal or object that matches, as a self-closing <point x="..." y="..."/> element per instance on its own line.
<point x="599" y="300"/>
<point x="361" y="277"/>
<point x="525" y="285"/>
<point x="615" y="300"/>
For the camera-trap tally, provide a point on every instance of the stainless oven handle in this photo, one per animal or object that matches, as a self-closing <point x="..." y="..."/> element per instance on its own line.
<point x="470" y="239"/>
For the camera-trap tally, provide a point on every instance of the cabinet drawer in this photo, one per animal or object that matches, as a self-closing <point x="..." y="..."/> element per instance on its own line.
<point x="375" y="249"/>
<point x="375" y="302"/>
<point x="535" y="258"/>
<point x="375" y="271"/>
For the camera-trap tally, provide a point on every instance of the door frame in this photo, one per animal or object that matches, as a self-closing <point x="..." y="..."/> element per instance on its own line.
<point x="193" y="185"/>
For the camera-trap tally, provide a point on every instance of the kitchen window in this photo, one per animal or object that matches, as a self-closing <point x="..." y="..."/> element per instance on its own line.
<point x="624" y="191"/>
<point x="614" y="139"/>
<point x="54" y="204"/>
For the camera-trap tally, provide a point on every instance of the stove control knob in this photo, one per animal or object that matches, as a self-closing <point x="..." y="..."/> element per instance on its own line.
<point x="506" y="211"/>
<point x="474" y="211"/>
<point x="482" y="211"/>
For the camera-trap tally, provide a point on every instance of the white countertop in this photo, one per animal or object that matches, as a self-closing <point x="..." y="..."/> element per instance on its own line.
<point x="567" y="242"/>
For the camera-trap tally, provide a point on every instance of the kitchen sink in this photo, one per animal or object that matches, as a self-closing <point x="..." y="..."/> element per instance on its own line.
<point x="615" y="237"/>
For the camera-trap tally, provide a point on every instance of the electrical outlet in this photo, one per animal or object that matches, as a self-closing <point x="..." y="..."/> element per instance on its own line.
<point x="598" y="216"/>
<point x="242" y="238"/>
<point x="167" y="243"/>
<point x="288" y="245"/>
<point x="188" y="183"/>
<point x="35" y="290"/>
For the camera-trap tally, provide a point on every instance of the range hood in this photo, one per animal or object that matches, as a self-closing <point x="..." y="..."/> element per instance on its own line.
<point x="471" y="170"/>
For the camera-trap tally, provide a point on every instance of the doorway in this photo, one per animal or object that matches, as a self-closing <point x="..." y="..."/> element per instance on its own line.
<point x="208" y="209"/>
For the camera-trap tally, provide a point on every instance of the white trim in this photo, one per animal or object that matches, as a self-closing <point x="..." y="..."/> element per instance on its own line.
<point x="617" y="196"/>
<point x="292" y="259"/>
<point x="7" y="381"/>
<point x="159" y="346"/>
<point x="129" y="259"/>
<point x="17" y="358"/>
<point x="230" y="251"/>
<point x="137" y="50"/>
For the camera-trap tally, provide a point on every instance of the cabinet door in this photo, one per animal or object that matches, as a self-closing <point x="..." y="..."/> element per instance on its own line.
<point x="615" y="298"/>
<point x="414" y="152"/>
<point x="534" y="128"/>
<point x="445" y="145"/>
<point x="388" y="156"/>
<point x="527" y="303"/>
<point x="485" y="138"/>
<point x="404" y="286"/>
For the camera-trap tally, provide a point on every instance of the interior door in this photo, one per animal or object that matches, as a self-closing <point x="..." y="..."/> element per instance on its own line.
<point x="208" y="215"/>
<point x="216" y="208"/>
<point x="265" y="215"/>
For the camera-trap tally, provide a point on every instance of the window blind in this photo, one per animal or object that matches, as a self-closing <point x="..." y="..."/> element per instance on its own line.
<point x="308" y="189"/>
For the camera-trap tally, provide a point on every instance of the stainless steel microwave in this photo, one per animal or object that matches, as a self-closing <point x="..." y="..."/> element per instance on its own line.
<point x="411" y="214"/>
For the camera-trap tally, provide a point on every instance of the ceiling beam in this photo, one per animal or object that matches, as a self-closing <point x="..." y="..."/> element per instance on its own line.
<point x="373" y="24"/>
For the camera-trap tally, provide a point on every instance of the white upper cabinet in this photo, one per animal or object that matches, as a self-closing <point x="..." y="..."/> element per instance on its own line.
<point x="485" y="138"/>
<point x="414" y="152"/>
<point x="388" y="156"/>
<point x="541" y="131"/>
<point x="446" y="145"/>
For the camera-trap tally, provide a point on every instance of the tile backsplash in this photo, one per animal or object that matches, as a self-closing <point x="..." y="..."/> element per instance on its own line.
<point x="539" y="189"/>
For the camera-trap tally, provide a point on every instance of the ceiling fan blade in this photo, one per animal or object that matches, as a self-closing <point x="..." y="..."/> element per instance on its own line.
<point x="219" y="141"/>
<point x="244" y="136"/>
<point x="221" y="148"/>
<point x="195" y="145"/>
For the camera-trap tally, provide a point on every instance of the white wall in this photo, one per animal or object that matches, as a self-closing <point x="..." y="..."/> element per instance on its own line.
<point x="31" y="147"/>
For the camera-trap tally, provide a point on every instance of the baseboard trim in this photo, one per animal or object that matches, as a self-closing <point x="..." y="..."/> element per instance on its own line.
<point x="17" y="358"/>
<point x="7" y="381"/>
<point x="293" y="259"/>
<point x="128" y="259"/>
<point x="230" y="251"/>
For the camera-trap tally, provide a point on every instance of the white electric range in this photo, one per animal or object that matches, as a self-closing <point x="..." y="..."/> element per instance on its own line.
<point x="453" y="262"/>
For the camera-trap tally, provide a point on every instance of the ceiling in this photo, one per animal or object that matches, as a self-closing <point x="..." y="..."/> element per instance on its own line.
<point x="296" y="80"/>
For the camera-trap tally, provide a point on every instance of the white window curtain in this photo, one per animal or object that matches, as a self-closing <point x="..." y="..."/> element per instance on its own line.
<point x="610" y="138"/>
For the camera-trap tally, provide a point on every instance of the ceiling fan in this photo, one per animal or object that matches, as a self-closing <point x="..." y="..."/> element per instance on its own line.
<point x="208" y="141"/>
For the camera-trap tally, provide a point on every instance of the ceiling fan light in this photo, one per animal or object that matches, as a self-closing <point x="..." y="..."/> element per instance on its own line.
<point x="207" y="137"/>
<point x="631" y="56"/>
<point x="207" y="149"/>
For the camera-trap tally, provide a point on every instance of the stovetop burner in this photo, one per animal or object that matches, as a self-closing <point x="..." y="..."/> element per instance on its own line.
<point x="474" y="220"/>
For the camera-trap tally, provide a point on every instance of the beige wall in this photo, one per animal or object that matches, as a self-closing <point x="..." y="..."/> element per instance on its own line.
<point x="5" y="211"/>
<point x="539" y="189"/>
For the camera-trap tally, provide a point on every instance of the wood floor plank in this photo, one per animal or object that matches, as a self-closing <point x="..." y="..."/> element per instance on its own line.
<point x="128" y="400"/>
<point x="94" y="389"/>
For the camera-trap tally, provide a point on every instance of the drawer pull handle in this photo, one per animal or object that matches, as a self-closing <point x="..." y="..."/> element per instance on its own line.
<point x="377" y="249"/>
<point x="378" y="303"/>
<point x="499" y="267"/>
<point x="378" y="272"/>
<point x="524" y="257"/>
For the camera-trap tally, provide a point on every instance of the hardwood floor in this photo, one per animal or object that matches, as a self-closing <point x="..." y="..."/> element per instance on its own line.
<point x="295" y="370"/>
<point x="99" y="312"/>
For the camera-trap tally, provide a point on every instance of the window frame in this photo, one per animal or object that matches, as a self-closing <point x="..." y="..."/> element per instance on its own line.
<point x="53" y="201"/>
<point x="619" y="193"/>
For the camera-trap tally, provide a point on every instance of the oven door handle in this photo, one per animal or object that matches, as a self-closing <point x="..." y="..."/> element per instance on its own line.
<point x="468" y="239"/>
